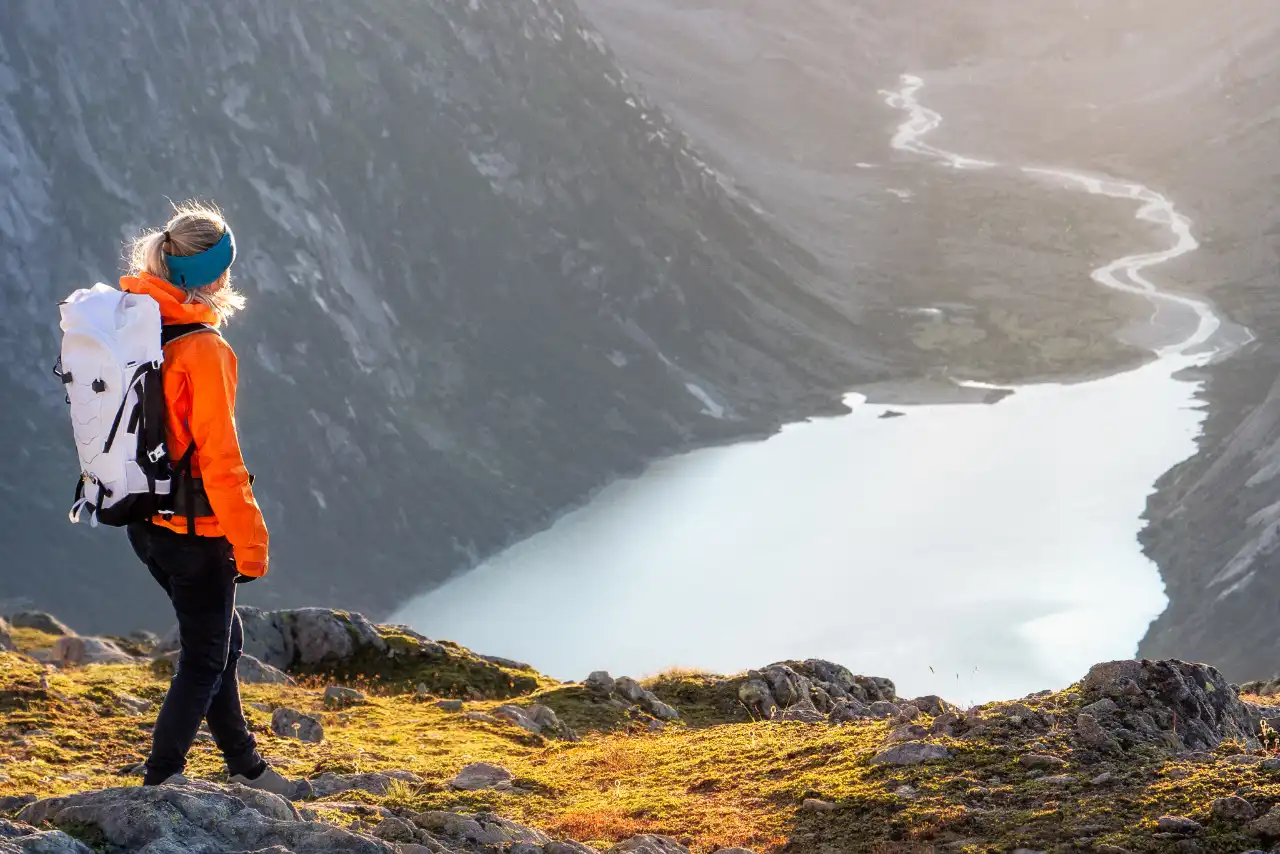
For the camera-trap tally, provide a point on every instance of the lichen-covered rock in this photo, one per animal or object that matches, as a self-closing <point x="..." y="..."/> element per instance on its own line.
<point x="18" y="838"/>
<point x="197" y="817"/>
<point x="649" y="844"/>
<point x="290" y="723"/>
<point x="481" y="829"/>
<point x="911" y="753"/>
<point x="375" y="783"/>
<point x="1172" y="704"/>
<point x="41" y="622"/>
<point x="394" y="829"/>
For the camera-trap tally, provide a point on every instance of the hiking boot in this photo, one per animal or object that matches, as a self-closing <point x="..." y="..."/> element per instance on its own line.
<point x="269" y="781"/>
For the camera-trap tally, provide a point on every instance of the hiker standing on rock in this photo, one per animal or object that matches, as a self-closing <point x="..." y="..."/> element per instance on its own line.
<point x="212" y="535"/>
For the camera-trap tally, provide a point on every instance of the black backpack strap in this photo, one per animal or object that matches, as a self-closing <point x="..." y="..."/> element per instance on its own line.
<point x="185" y="486"/>
<point x="172" y="332"/>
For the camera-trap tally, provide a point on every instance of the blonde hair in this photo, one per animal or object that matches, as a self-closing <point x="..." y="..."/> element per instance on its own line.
<point x="194" y="227"/>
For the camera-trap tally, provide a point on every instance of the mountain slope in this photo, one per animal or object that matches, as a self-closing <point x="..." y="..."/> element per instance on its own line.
<point x="485" y="276"/>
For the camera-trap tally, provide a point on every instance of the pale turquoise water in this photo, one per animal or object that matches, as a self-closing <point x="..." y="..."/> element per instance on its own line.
<point x="974" y="551"/>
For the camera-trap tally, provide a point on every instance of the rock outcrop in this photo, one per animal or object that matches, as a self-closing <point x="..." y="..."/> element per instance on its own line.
<point x="797" y="689"/>
<point x="1171" y="704"/>
<point x="322" y="641"/>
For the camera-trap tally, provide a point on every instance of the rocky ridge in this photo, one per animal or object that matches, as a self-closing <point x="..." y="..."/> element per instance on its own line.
<point x="1138" y="756"/>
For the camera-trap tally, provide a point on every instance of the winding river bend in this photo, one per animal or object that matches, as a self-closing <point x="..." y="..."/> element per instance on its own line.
<point x="974" y="551"/>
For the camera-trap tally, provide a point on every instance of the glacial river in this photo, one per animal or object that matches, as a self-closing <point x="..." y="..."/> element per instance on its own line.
<point x="973" y="551"/>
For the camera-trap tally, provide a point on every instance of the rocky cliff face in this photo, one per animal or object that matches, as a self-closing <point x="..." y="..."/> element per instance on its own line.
<point x="485" y="275"/>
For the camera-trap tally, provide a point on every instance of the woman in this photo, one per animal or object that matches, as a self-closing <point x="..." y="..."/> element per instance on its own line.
<point x="186" y="268"/>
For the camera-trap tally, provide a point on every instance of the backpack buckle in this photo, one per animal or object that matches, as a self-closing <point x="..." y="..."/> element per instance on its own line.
<point x="157" y="454"/>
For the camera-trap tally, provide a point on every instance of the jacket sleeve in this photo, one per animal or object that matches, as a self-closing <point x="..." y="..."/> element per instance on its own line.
<point x="213" y="373"/>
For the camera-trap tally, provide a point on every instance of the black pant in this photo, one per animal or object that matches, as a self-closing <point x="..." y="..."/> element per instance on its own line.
<point x="199" y="575"/>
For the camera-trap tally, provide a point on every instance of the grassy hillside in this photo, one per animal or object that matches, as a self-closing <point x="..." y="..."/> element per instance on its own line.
<point x="715" y="778"/>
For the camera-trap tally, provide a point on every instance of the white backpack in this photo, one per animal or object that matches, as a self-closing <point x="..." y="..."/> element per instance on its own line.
<point x="110" y="365"/>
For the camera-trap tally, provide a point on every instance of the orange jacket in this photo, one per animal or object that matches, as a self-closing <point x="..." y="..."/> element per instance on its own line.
<point x="200" y="394"/>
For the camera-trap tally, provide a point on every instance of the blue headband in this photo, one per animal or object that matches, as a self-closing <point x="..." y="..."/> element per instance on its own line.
<point x="203" y="268"/>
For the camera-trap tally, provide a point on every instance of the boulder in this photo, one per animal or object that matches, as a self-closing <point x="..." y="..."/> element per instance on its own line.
<point x="1177" y="824"/>
<point x="884" y="709"/>
<point x="537" y="719"/>
<point x="13" y="803"/>
<point x="906" y="732"/>
<point x="339" y="697"/>
<point x="649" y="844"/>
<point x="18" y="838"/>
<point x="41" y="622"/>
<point x="395" y="829"/>
<point x="1041" y="762"/>
<point x="628" y="688"/>
<point x="931" y="705"/>
<point x="251" y="671"/>
<point x="804" y="712"/>
<point x="481" y="775"/>
<point x="600" y="683"/>
<point x="479" y="830"/>
<point x="911" y="753"/>
<point x="847" y="711"/>
<point x="1268" y="827"/>
<point x="375" y="783"/>
<point x="1171" y="704"/>
<point x="660" y="710"/>
<point x="267" y="638"/>
<point x="449" y="705"/>
<point x="1090" y="733"/>
<point x="1232" y="810"/>
<point x="945" y="724"/>
<point x="73" y="651"/>
<point x="197" y="816"/>
<point x="290" y="723"/>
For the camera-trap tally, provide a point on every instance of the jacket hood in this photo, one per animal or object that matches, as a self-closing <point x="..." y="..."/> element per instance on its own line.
<point x="174" y="307"/>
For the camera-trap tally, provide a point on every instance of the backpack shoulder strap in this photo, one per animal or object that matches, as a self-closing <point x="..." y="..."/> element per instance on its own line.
<point x="169" y="334"/>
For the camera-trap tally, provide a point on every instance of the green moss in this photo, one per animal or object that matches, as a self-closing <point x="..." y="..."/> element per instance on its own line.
<point x="581" y="710"/>
<point x="89" y="834"/>
<point x="702" y="699"/>
<point x="445" y="670"/>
